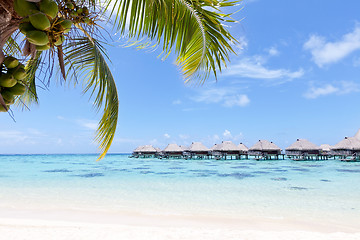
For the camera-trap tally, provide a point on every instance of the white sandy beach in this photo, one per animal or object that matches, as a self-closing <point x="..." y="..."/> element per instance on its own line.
<point x="16" y="224"/>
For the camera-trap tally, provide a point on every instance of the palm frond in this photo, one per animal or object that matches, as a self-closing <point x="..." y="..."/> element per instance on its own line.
<point x="192" y="28"/>
<point x="30" y="95"/>
<point x="11" y="46"/>
<point x="85" y="56"/>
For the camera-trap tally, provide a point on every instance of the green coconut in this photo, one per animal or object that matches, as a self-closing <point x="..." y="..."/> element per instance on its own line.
<point x="7" y="80"/>
<point x="2" y="109"/>
<point x="11" y="62"/>
<point x="49" y="7"/>
<point x="42" y="47"/>
<point x="60" y="40"/>
<point x="69" y="5"/>
<point x="7" y="96"/>
<point x="85" y="11"/>
<point x="25" y="27"/>
<point x="9" y="102"/>
<point x="18" y="89"/>
<point x="40" y="21"/>
<point x="37" y="37"/>
<point x="19" y="73"/>
<point x="65" y="24"/>
<point x="24" y="8"/>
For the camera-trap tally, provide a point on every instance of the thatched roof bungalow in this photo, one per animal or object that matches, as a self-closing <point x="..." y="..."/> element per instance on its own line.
<point x="144" y="151"/>
<point x="227" y="148"/>
<point x="302" y="147"/>
<point x="325" y="149"/>
<point x="198" y="149"/>
<point x="173" y="150"/>
<point x="265" y="149"/>
<point x="347" y="146"/>
<point x="243" y="149"/>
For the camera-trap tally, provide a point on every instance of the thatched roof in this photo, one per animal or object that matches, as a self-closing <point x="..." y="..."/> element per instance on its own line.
<point x="325" y="147"/>
<point x="348" y="143"/>
<point x="184" y="148"/>
<point x="198" y="147"/>
<point x="215" y="147"/>
<point x="227" y="146"/>
<point x="302" y="145"/>
<point x="357" y="135"/>
<point x="264" y="145"/>
<point x="138" y="149"/>
<point x="145" y="149"/>
<point x="243" y="148"/>
<point x="172" y="147"/>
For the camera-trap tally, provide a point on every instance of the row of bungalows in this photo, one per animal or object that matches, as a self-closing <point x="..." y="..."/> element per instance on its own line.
<point x="347" y="149"/>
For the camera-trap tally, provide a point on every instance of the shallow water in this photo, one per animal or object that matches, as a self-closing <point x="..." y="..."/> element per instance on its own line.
<point x="232" y="188"/>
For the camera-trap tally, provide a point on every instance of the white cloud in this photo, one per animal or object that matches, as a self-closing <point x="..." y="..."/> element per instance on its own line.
<point x="254" y="68"/>
<point x="227" y="133"/>
<point x="166" y="135"/>
<point x="324" y="53"/>
<point x="273" y="51"/>
<point x="176" y="102"/>
<point x="342" y="88"/>
<point x="13" y="136"/>
<point x="237" y="100"/>
<point x="89" y="124"/>
<point x="183" y="136"/>
<point x="228" y="97"/>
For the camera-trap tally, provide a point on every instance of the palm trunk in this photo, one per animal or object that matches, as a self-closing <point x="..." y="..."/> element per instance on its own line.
<point x="9" y="22"/>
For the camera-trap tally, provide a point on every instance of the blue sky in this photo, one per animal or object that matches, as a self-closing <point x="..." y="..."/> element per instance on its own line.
<point x="296" y="75"/>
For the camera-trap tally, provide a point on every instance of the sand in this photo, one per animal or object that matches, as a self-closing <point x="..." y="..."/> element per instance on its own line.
<point x="16" y="224"/>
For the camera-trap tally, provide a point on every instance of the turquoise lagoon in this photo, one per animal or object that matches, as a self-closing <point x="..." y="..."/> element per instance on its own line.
<point x="310" y="191"/>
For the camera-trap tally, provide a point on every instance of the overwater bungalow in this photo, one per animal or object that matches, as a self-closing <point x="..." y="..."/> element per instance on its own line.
<point x="225" y="150"/>
<point x="325" y="150"/>
<point x="303" y="149"/>
<point x="172" y="150"/>
<point x="145" y="151"/>
<point x="265" y="150"/>
<point x="347" y="149"/>
<point x="243" y="150"/>
<point x="198" y="150"/>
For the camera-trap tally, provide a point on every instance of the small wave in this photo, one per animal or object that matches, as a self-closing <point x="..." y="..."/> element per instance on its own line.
<point x="58" y="171"/>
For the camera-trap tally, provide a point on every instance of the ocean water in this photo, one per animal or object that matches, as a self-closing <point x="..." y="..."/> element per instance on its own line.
<point x="282" y="189"/>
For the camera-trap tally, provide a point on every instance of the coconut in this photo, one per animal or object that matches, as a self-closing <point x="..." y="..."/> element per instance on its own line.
<point x="69" y="5"/>
<point x="42" y="47"/>
<point x="11" y="62"/>
<point x="49" y="7"/>
<point x="60" y="40"/>
<point x="7" y="80"/>
<point x="24" y="8"/>
<point x="37" y="37"/>
<point x="7" y="96"/>
<point x="85" y="11"/>
<point x="18" y="89"/>
<point x="40" y="21"/>
<point x="65" y="24"/>
<point x="19" y="73"/>
<point x="25" y="27"/>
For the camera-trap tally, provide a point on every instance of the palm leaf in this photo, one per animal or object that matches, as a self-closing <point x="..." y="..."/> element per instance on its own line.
<point x="85" y="56"/>
<point x="193" y="28"/>
<point x="30" y="95"/>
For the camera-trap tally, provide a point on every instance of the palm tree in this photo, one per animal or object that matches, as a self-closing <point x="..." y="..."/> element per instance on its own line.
<point x="192" y="29"/>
